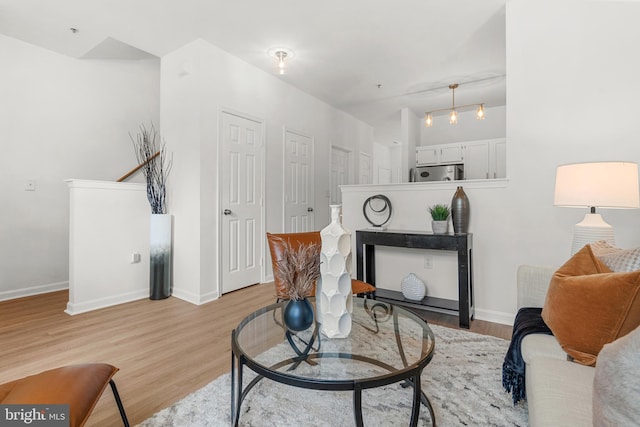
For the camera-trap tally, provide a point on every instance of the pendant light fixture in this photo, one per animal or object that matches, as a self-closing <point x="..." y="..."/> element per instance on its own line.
<point x="453" y="111"/>
<point x="282" y="56"/>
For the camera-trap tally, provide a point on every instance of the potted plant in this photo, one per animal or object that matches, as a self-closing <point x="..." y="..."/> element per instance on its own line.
<point x="298" y="271"/>
<point x="440" y="218"/>
<point x="152" y="157"/>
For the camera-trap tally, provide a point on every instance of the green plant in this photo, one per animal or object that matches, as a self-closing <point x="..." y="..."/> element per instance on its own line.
<point x="439" y="212"/>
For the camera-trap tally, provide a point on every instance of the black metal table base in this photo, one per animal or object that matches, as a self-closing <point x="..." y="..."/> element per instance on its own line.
<point x="238" y="394"/>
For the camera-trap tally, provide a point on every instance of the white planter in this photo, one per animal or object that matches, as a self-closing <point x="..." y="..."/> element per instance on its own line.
<point x="334" y="297"/>
<point x="440" y="227"/>
<point x="160" y="256"/>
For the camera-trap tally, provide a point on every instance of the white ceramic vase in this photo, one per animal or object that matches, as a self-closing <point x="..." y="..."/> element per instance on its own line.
<point x="334" y="298"/>
<point x="413" y="288"/>
<point x="160" y="256"/>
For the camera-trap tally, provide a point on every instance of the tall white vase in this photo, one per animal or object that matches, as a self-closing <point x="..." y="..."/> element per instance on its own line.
<point x="334" y="294"/>
<point x="160" y="256"/>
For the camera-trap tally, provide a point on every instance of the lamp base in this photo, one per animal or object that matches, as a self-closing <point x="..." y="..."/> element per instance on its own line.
<point x="591" y="229"/>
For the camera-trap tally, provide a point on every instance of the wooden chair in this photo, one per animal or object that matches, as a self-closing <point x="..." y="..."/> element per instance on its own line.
<point x="277" y="247"/>
<point x="79" y="386"/>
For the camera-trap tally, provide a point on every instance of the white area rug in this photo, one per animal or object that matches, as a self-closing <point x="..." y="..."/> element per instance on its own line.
<point x="463" y="383"/>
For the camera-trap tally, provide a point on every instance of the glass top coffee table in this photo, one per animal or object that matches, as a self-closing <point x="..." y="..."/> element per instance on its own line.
<point x="387" y="345"/>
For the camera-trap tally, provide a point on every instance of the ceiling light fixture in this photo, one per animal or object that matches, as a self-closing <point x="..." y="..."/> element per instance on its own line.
<point x="453" y="111"/>
<point x="282" y="56"/>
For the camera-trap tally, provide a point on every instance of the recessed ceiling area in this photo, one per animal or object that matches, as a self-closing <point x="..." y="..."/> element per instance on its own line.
<point x="370" y="58"/>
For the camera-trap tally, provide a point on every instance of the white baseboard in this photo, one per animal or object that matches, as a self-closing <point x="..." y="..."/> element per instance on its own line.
<point x="193" y="298"/>
<point x="34" y="290"/>
<point x="75" y="308"/>
<point x="495" y="316"/>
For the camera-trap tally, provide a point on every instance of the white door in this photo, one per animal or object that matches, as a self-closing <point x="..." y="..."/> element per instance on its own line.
<point x="339" y="173"/>
<point x="241" y="201"/>
<point x="299" y="192"/>
<point x="364" y="167"/>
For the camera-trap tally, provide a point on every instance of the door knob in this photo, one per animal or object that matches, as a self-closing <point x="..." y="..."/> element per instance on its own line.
<point x="226" y="212"/>
<point x="309" y="209"/>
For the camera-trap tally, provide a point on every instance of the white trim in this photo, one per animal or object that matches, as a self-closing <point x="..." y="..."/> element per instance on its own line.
<point x="495" y="316"/>
<point x="106" y="185"/>
<point x="421" y="186"/>
<point x="34" y="290"/>
<point x="73" y="309"/>
<point x="194" y="298"/>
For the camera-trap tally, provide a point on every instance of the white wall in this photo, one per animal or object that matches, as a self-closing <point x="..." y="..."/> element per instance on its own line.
<point x="61" y="118"/>
<point x="571" y="76"/>
<point x="198" y="81"/>
<point x="468" y="128"/>
<point x="410" y="202"/>
<point x="571" y="80"/>
<point x="109" y="223"/>
<point x="409" y="124"/>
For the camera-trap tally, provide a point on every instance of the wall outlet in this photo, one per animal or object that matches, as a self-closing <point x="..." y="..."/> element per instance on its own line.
<point x="135" y="258"/>
<point x="428" y="262"/>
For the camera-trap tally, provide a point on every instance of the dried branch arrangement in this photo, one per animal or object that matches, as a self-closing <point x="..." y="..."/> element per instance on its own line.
<point x="152" y="155"/>
<point x="299" y="269"/>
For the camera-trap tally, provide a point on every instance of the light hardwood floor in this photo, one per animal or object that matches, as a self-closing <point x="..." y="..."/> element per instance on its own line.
<point x="165" y="349"/>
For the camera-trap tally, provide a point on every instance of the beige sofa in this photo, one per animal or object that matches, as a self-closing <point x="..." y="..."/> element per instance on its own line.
<point x="559" y="392"/>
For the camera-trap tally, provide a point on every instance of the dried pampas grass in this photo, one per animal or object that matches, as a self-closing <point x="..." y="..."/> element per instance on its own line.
<point x="299" y="269"/>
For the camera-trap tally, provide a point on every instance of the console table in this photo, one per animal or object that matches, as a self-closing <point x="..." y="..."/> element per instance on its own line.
<point x="367" y="240"/>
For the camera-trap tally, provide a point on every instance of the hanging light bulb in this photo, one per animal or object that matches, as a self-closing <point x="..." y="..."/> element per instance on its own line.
<point x="453" y="117"/>
<point x="428" y="120"/>
<point x="453" y="110"/>
<point x="282" y="57"/>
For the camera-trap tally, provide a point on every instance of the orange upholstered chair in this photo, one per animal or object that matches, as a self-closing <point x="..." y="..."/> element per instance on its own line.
<point x="79" y="386"/>
<point x="277" y="246"/>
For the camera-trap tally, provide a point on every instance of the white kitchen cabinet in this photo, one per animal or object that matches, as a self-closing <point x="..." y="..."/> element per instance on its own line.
<point x="499" y="158"/>
<point x="427" y="155"/>
<point x="451" y="153"/>
<point x="485" y="159"/>
<point x="443" y="154"/>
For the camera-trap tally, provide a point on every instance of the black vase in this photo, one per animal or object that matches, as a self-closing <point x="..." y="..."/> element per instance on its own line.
<point x="460" y="212"/>
<point x="298" y="315"/>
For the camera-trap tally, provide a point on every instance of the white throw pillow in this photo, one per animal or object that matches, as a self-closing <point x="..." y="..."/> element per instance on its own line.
<point x="622" y="260"/>
<point x="602" y="247"/>
<point x="616" y="385"/>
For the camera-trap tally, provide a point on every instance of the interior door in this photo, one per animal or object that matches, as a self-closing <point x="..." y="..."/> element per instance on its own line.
<point x="299" y="192"/>
<point x="241" y="201"/>
<point x="340" y="173"/>
<point x="365" y="175"/>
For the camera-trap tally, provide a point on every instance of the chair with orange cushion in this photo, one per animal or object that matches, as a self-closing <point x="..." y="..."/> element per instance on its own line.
<point x="79" y="386"/>
<point x="277" y="244"/>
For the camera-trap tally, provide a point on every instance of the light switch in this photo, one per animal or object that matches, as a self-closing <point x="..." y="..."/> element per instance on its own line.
<point x="135" y="258"/>
<point x="30" y="185"/>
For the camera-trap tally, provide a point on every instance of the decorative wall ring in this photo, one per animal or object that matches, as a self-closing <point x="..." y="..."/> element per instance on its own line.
<point x="386" y="206"/>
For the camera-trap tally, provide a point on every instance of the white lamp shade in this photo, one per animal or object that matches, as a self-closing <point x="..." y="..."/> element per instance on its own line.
<point x="599" y="184"/>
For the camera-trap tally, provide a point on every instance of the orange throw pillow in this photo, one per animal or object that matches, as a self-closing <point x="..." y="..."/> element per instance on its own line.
<point x="588" y="306"/>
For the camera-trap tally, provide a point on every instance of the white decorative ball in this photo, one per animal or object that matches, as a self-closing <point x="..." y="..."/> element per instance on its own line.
<point x="413" y="288"/>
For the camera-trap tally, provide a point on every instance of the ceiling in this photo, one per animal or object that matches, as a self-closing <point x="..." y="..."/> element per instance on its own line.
<point x="370" y="58"/>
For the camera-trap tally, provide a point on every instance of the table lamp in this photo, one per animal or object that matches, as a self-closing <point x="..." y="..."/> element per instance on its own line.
<point x="596" y="185"/>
